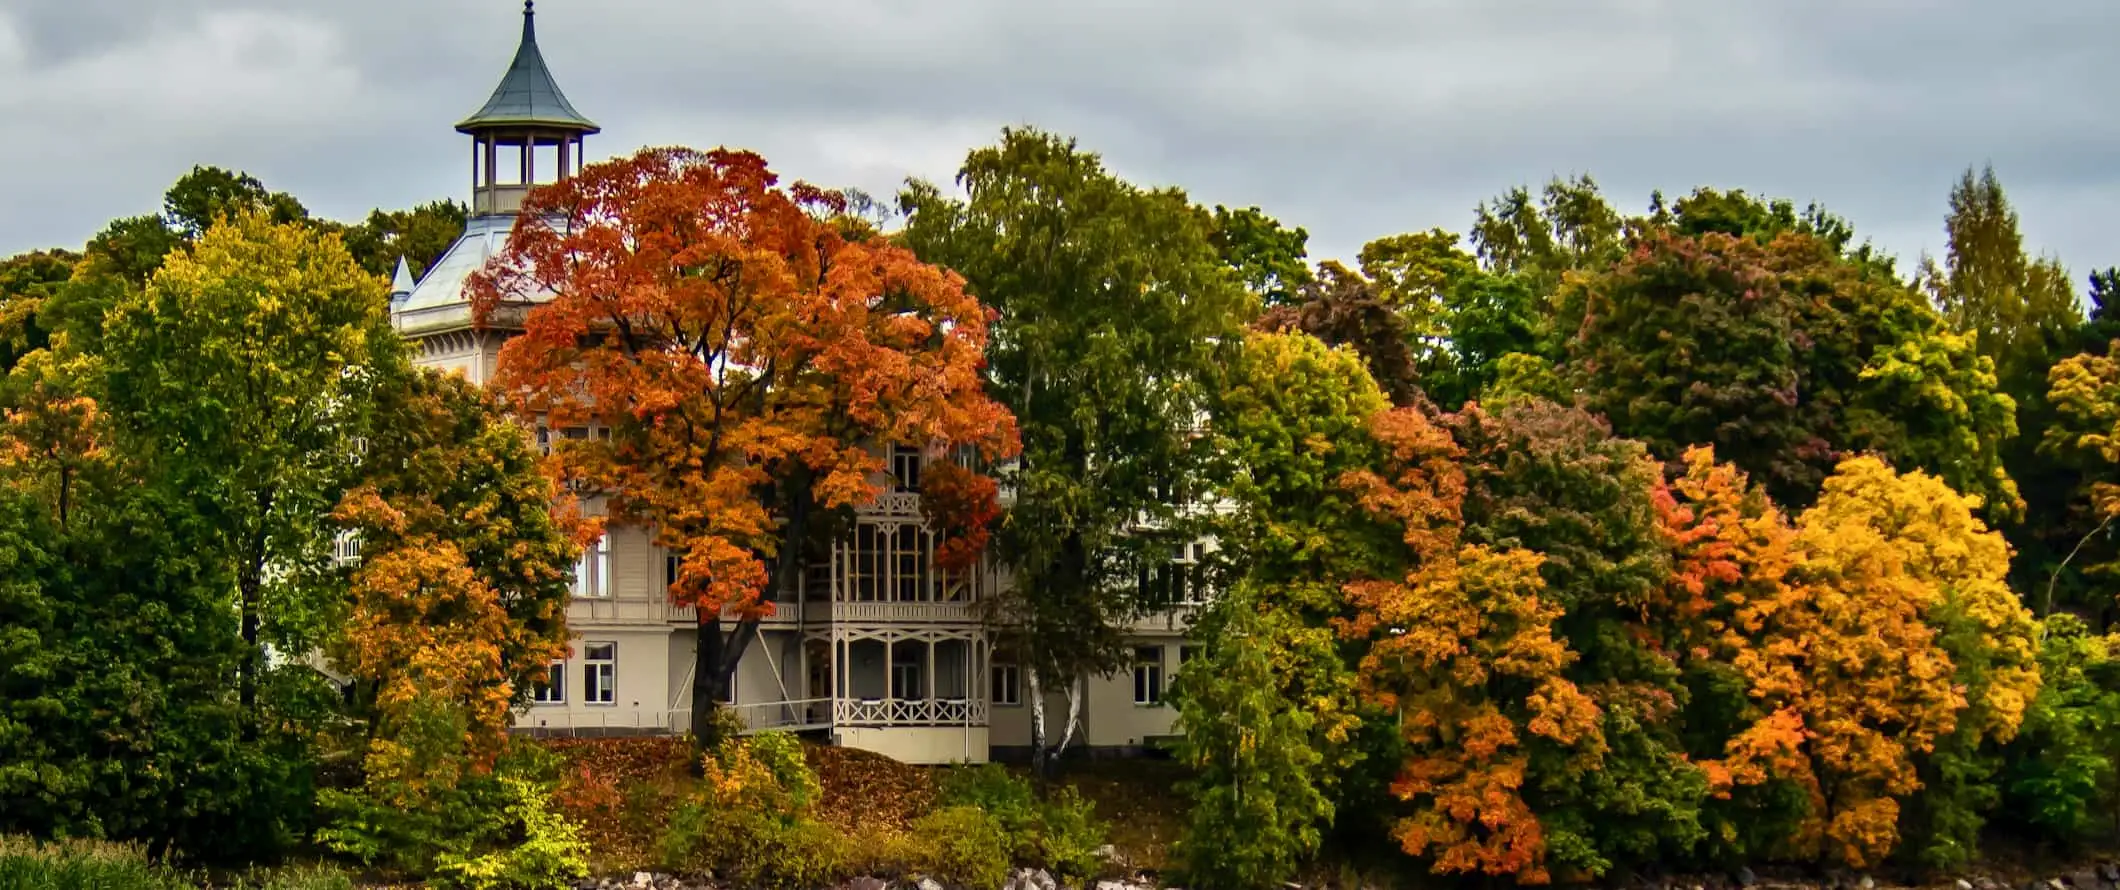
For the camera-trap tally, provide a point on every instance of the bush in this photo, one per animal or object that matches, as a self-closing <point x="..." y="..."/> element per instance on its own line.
<point x="959" y="845"/>
<point x="1060" y="834"/>
<point x="484" y="830"/>
<point x="752" y="824"/>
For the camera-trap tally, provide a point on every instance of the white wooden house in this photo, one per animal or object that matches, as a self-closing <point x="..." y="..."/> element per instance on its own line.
<point x="879" y="650"/>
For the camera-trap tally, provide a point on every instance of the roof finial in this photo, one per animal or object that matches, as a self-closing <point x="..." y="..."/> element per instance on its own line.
<point x="529" y="7"/>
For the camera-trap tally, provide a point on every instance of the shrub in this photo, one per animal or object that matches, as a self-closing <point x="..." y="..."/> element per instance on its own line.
<point x="751" y="824"/>
<point x="490" y="829"/>
<point x="960" y="845"/>
<point x="1061" y="833"/>
<point x="1069" y="836"/>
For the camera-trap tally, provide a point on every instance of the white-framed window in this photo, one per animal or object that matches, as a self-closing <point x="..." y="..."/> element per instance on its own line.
<point x="346" y="548"/>
<point x="1007" y="690"/>
<point x="905" y="468"/>
<point x="599" y="673"/>
<point x="905" y="681"/>
<point x="554" y="690"/>
<point x="1148" y="675"/>
<point x="592" y="572"/>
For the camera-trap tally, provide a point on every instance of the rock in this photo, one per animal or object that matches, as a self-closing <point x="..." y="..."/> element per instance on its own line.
<point x="1867" y="883"/>
<point x="927" y="883"/>
<point x="1745" y="877"/>
<point x="642" y="879"/>
<point x="1964" y="884"/>
<point x="866" y="882"/>
<point x="1111" y="885"/>
<point x="2085" y="880"/>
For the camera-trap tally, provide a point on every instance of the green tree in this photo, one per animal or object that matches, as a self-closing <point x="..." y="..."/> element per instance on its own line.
<point x="1116" y="314"/>
<point x="1267" y="710"/>
<point x="1268" y="257"/>
<point x="421" y="235"/>
<point x="245" y="366"/>
<point x="1570" y="227"/>
<point x="27" y="282"/>
<point x="1555" y="482"/>
<point x="1259" y="757"/>
<point x="1782" y="355"/>
<point x="2062" y="768"/>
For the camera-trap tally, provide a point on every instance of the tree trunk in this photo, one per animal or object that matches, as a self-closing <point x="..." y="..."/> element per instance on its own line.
<point x="714" y="657"/>
<point x="1074" y="718"/>
<point x="1038" y="762"/>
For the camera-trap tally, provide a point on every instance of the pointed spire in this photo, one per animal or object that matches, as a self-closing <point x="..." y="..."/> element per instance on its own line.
<point x="401" y="282"/>
<point x="528" y="95"/>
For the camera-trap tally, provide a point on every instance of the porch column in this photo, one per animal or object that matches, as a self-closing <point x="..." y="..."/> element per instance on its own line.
<point x="930" y="671"/>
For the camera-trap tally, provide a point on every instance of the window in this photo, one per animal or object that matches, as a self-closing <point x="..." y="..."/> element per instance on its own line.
<point x="1007" y="690"/>
<point x="554" y="690"/>
<point x="599" y="673"/>
<point x="905" y="468"/>
<point x="1186" y="653"/>
<point x="673" y="565"/>
<point x="346" y="548"/>
<point x="1148" y="675"/>
<point x="905" y="681"/>
<point x="592" y="572"/>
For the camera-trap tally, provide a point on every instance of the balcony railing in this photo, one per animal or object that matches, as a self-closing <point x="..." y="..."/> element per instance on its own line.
<point x="908" y="712"/>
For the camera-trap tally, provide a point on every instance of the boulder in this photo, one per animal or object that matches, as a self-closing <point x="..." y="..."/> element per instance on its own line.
<point x="2086" y="879"/>
<point x="866" y="882"/>
<point x="1745" y="877"/>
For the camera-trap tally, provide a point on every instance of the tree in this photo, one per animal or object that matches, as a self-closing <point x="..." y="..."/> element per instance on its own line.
<point x="1261" y="756"/>
<point x="2022" y="313"/>
<point x="421" y="235"/>
<point x="1571" y="227"/>
<point x="1267" y="256"/>
<point x="459" y="592"/>
<point x="1904" y="582"/>
<point x="245" y="366"/>
<point x="27" y="282"/>
<point x="1555" y="482"/>
<point x="455" y="608"/>
<point x="116" y="716"/>
<point x="1341" y="308"/>
<point x="744" y="358"/>
<point x="1784" y="356"/>
<point x="1463" y="650"/>
<point x="1266" y="711"/>
<point x="1116" y="315"/>
<point x="2084" y="439"/>
<point x="2020" y="310"/>
<point x="1733" y="554"/>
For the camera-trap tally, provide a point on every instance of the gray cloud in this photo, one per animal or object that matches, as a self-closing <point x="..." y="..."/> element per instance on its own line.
<point x="1352" y="118"/>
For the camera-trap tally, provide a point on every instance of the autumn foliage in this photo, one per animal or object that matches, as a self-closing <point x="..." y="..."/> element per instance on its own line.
<point x="729" y="337"/>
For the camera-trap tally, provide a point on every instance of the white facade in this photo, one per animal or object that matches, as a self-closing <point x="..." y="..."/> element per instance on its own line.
<point x="879" y="649"/>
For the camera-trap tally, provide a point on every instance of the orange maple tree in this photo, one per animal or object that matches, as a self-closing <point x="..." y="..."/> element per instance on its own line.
<point x="741" y="354"/>
<point x="1463" y="650"/>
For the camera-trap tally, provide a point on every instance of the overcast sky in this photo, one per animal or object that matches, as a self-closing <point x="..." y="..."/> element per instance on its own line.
<point x="1352" y="118"/>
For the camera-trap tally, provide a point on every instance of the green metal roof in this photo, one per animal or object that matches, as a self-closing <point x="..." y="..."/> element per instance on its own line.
<point x="528" y="96"/>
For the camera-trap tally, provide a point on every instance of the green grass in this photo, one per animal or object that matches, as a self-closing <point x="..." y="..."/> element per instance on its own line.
<point x="94" y="865"/>
<point x="81" y="865"/>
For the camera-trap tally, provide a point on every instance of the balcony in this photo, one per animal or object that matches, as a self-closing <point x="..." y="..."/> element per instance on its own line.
<point x="881" y="612"/>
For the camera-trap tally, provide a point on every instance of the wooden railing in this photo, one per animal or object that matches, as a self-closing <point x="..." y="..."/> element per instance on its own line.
<point x="908" y="712"/>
